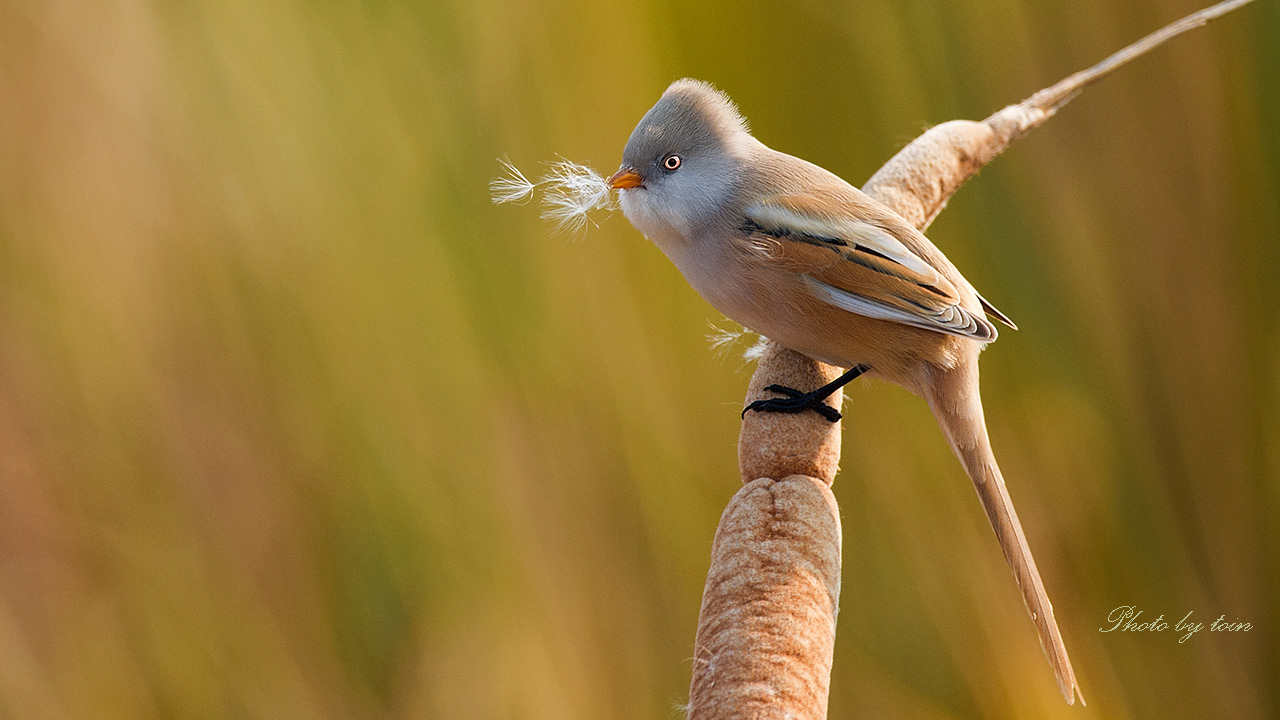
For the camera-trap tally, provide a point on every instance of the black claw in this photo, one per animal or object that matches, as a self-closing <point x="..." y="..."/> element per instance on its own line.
<point x="831" y="414"/>
<point x="797" y="401"/>
<point x="789" y="392"/>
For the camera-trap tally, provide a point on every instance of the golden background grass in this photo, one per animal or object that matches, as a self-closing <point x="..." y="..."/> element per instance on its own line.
<point x="295" y="423"/>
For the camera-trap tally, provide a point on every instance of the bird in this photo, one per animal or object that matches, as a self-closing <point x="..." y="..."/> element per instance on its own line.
<point x="797" y="254"/>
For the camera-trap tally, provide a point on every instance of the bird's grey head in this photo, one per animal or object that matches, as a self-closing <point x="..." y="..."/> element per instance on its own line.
<point x="681" y="166"/>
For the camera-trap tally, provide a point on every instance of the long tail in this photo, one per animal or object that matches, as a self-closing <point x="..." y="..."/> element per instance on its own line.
<point x="957" y="406"/>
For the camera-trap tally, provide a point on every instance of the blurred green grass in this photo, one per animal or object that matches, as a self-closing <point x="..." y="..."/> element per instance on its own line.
<point x="295" y="423"/>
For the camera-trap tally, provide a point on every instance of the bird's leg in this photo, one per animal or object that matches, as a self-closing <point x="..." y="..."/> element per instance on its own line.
<point x="798" y="401"/>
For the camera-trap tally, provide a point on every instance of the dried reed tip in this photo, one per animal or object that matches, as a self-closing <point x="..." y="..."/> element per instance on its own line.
<point x="766" y="631"/>
<point x="775" y="445"/>
<point x="513" y="187"/>
<point x="572" y="193"/>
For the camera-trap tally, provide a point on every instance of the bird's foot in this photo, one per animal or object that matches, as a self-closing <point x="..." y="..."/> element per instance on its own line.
<point x="796" y="402"/>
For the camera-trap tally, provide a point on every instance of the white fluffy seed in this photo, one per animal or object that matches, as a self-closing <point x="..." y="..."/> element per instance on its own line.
<point x="514" y="187"/>
<point x="572" y="192"/>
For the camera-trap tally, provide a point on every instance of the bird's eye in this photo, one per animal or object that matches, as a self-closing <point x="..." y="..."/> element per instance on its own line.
<point x="671" y="162"/>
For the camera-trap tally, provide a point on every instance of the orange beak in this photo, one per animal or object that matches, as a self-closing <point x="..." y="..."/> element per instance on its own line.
<point x="626" y="177"/>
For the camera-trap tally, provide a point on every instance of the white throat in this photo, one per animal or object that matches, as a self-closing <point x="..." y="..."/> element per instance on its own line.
<point x="664" y="229"/>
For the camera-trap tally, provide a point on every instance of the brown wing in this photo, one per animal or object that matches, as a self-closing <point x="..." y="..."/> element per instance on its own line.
<point x="859" y="265"/>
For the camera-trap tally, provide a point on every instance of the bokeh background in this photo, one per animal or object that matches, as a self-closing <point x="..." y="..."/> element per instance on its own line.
<point x="294" y="423"/>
